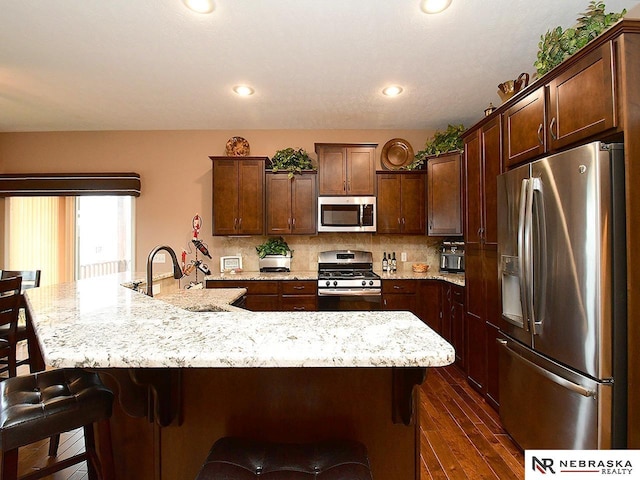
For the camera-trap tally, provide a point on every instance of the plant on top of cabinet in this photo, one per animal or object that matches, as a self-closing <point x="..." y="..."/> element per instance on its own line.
<point x="556" y="45"/>
<point x="292" y="161"/>
<point x="442" y="142"/>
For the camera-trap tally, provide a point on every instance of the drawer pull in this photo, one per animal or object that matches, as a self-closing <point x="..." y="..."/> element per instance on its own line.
<point x="299" y="287"/>
<point x="398" y="287"/>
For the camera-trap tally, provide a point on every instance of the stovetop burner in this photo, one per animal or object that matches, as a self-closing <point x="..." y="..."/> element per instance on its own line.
<point x="350" y="270"/>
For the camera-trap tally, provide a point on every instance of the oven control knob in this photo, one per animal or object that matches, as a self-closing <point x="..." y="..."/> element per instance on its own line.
<point x="328" y="283"/>
<point x="335" y="283"/>
<point x="370" y="282"/>
<point x="364" y="283"/>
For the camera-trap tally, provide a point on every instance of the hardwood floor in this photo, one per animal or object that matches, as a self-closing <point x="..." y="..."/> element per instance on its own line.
<point x="460" y="434"/>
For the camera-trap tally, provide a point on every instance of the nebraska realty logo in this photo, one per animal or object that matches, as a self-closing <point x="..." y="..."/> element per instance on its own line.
<point x="566" y="464"/>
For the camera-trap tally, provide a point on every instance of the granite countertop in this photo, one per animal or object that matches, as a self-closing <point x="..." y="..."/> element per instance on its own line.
<point x="98" y="323"/>
<point x="455" y="278"/>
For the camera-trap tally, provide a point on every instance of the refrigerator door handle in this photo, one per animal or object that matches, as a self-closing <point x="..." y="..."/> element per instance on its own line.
<point x="537" y="256"/>
<point x="522" y="253"/>
<point x="528" y="254"/>
<point x="574" y="387"/>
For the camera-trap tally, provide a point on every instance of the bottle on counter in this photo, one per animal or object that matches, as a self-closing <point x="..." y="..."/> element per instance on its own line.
<point x="394" y="265"/>
<point x="385" y="263"/>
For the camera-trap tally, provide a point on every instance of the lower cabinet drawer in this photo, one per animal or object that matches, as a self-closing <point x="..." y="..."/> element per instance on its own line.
<point x="307" y="303"/>
<point x="299" y="287"/>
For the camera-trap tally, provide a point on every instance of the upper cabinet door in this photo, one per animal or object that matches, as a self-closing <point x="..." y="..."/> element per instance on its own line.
<point x="581" y="100"/>
<point x="278" y="203"/>
<point x="445" y="195"/>
<point x="360" y="170"/>
<point x="251" y="198"/>
<point x="304" y="206"/>
<point x="225" y="196"/>
<point x="346" y="169"/>
<point x="473" y="189"/>
<point x="491" y="143"/>
<point x="413" y="203"/>
<point x="238" y="195"/>
<point x="524" y="128"/>
<point x="389" y="213"/>
<point x="332" y="170"/>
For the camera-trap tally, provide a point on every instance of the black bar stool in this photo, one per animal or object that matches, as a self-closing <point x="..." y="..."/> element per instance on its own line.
<point x="234" y="457"/>
<point x="42" y="405"/>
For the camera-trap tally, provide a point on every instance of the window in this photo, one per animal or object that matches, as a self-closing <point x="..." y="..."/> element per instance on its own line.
<point x="69" y="238"/>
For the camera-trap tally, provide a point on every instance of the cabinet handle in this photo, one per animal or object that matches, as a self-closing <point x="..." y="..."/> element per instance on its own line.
<point x="398" y="287"/>
<point x="298" y="308"/>
<point x="553" y="135"/>
<point x="235" y="223"/>
<point x="293" y="222"/>
<point x="399" y="222"/>
<point x="344" y="186"/>
<point x="349" y="186"/>
<point x="298" y="287"/>
<point x="385" y="302"/>
<point x="403" y="221"/>
<point x="540" y="139"/>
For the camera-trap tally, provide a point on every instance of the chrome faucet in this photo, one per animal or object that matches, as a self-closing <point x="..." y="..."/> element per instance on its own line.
<point x="177" y="271"/>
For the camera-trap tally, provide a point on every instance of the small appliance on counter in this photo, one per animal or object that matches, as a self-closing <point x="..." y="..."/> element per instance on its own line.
<point x="275" y="263"/>
<point x="452" y="257"/>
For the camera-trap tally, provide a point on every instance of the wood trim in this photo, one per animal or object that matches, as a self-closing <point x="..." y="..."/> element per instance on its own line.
<point x="68" y="184"/>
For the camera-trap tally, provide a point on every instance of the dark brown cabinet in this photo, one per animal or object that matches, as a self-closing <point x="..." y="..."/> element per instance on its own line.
<point x="399" y="295"/>
<point x="575" y="105"/>
<point x="453" y="320"/>
<point x="291" y="204"/>
<point x="238" y="195"/>
<point x="299" y="295"/>
<point x="401" y="203"/>
<point x="429" y="303"/>
<point x="346" y="169"/>
<point x="276" y="295"/>
<point x="581" y="99"/>
<point x="482" y="167"/>
<point x="261" y="296"/>
<point x="524" y="128"/>
<point x="444" y="195"/>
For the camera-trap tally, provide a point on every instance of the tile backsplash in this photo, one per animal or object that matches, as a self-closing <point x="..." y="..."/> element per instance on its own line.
<point x="418" y="248"/>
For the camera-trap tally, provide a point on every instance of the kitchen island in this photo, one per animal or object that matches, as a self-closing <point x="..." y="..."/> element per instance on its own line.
<point x="194" y="376"/>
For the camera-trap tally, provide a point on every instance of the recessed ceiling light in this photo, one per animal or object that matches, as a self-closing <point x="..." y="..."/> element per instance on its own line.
<point x="199" y="6"/>
<point x="243" y="90"/>
<point x="392" y="91"/>
<point x="434" y="6"/>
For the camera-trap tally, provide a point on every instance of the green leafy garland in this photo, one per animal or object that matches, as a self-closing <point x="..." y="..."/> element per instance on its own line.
<point x="557" y="45"/>
<point x="292" y="161"/>
<point x="442" y="142"/>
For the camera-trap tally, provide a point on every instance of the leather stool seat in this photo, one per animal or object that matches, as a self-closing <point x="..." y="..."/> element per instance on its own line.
<point x="41" y="405"/>
<point x="243" y="459"/>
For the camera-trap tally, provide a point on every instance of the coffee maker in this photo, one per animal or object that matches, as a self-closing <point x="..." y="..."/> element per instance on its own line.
<point x="452" y="257"/>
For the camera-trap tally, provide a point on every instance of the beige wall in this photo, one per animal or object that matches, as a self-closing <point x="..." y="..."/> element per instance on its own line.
<point x="176" y="181"/>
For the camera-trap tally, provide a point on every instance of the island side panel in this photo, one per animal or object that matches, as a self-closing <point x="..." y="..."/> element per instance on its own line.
<point x="289" y="405"/>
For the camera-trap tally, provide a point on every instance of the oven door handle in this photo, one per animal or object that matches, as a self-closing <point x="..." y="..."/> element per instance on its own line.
<point x="350" y="293"/>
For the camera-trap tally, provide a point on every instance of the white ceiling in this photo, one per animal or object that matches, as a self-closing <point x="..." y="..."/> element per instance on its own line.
<point x="315" y="64"/>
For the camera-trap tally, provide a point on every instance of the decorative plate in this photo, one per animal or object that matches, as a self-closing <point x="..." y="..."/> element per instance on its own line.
<point x="237" y="147"/>
<point x="396" y="153"/>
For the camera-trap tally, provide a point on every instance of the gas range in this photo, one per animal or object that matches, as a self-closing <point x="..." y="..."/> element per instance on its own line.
<point x="347" y="272"/>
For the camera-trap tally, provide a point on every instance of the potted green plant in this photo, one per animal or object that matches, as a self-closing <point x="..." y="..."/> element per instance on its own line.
<point x="442" y="142"/>
<point x="291" y="160"/>
<point x="556" y="45"/>
<point x="274" y="254"/>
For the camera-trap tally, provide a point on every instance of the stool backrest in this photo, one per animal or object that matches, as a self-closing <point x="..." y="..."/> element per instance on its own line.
<point x="30" y="278"/>
<point x="10" y="292"/>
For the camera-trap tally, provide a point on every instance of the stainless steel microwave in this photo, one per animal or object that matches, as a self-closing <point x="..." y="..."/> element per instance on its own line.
<point x="346" y="214"/>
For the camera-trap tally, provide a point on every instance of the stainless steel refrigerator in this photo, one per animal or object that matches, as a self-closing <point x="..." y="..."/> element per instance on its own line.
<point x="562" y="360"/>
